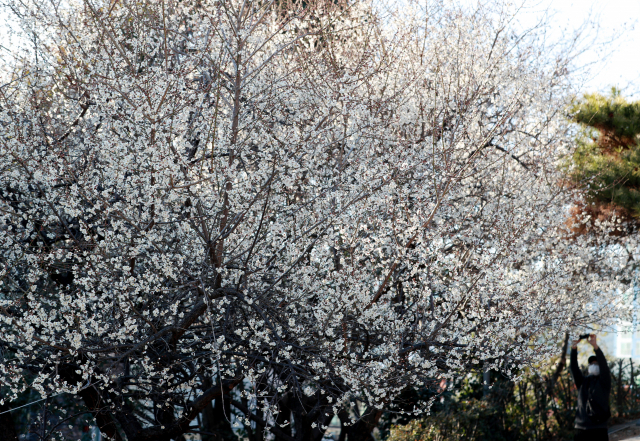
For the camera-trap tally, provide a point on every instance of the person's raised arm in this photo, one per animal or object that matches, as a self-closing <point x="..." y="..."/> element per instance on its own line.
<point x="605" y="374"/>
<point x="573" y="364"/>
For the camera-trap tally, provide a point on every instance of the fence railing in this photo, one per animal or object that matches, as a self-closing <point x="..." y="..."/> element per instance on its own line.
<point x="530" y="409"/>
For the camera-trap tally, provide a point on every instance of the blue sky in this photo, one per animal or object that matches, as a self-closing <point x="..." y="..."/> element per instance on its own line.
<point x="611" y="64"/>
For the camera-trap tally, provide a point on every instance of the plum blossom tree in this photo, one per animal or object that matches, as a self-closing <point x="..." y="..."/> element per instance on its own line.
<point x="258" y="215"/>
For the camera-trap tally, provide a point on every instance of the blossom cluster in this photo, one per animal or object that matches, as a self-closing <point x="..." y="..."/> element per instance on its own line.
<point x="274" y="202"/>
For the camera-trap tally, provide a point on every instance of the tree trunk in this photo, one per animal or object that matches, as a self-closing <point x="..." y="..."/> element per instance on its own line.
<point x="486" y="382"/>
<point x="284" y="415"/>
<point x="94" y="401"/>
<point x="562" y="363"/>
<point x="632" y="386"/>
<point x="361" y="430"/>
<point x="208" y="421"/>
<point x="619" y="397"/>
<point x="7" y="427"/>
<point x="217" y="419"/>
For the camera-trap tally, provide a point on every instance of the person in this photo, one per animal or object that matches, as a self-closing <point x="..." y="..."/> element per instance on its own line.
<point x="593" y="394"/>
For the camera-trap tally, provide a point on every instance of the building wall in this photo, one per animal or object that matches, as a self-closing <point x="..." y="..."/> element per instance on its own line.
<point x="618" y="342"/>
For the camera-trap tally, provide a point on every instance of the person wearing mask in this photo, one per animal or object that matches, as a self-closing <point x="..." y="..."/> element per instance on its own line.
<point x="593" y="394"/>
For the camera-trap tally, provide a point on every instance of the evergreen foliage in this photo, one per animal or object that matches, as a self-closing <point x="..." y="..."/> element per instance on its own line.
<point x="524" y="410"/>
<point x="612" y="115"/>
<point x="608" y="153"/>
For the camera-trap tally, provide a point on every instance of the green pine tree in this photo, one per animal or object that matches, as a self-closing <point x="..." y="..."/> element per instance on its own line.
<point x="608" y="151"/>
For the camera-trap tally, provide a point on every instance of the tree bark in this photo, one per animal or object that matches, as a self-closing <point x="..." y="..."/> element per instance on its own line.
<point x="193" y="410"/>
<point x="7" y="426"/>
<point x="486" y="382"/>
<point x="94" y="401"/>
<point x="547" y="388"/>
<point x="361" y="430"/>
<point x="220" y="421"/>
<point x="562" y="363"/>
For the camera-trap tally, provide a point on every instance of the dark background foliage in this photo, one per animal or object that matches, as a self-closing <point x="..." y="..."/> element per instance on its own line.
<point x="517" y="411"/>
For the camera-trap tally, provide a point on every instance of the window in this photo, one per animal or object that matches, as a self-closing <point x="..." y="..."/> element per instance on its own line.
<point x="625" y="348"/>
